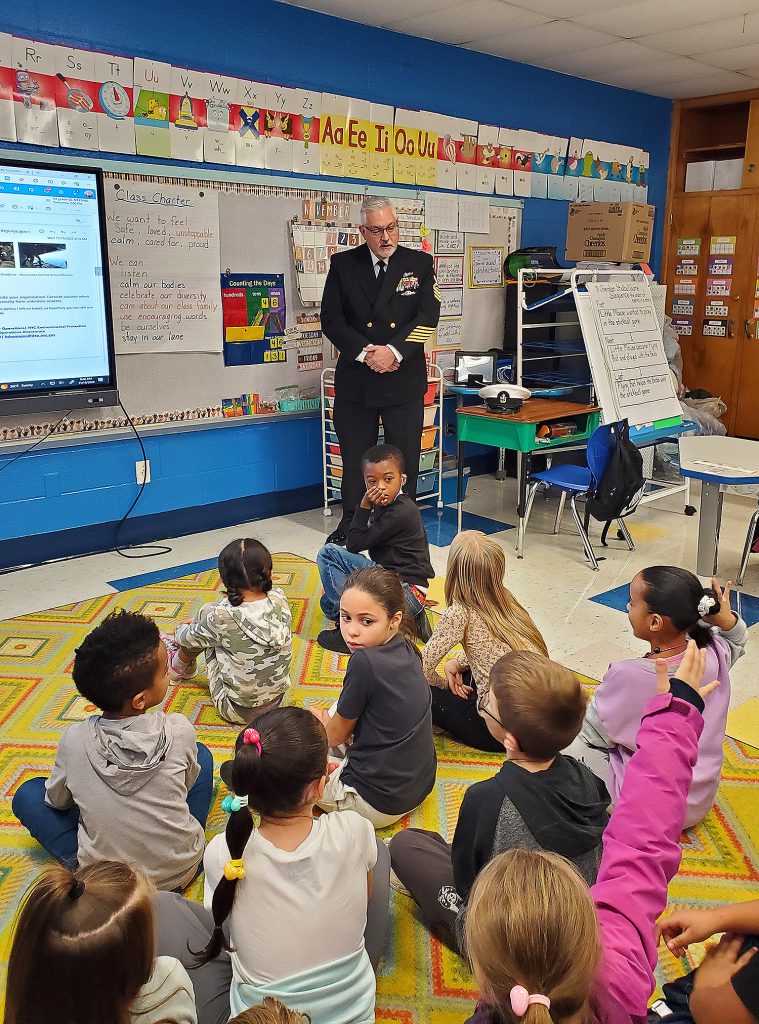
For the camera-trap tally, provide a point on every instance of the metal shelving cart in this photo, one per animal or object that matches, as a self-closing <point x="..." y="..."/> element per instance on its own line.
<point x="430" y="480"/>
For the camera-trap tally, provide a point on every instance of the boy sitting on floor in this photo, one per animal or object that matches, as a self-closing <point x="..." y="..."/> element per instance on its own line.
<point x="539" y="800"/>
<point x="387" y="524"/>
<point x="126" y="786"/>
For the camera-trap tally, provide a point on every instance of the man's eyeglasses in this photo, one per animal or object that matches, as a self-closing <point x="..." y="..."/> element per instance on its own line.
<point x="482" y="701"/>
<point x="377" y="232"/>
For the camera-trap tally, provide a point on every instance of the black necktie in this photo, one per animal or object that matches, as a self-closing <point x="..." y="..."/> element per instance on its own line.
<point x="380" y="275"/>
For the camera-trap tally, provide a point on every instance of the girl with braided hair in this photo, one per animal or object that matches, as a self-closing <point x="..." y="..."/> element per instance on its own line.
<point x="246" y="637"/>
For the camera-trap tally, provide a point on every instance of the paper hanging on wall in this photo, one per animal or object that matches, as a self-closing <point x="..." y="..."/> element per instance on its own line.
<point x="448" y="242"/>
<point x="152" y="81"/>
<point x="34" y="107"/>
<point x="7" y="78"/>
<point x="474" y="214"/>
<point x="487" y="158"/>
<point x="485" y="266"/>
<point x="247" y="123"/>
<point x="441" y="211"/>
<point x="305" y="140"/>
<point x="187" y="114"/>
<point x="449" y="332"/>
<point x="220" y="93"/>
<point x="449" y="270"/>
<point x="451" y="302"/>
<point x="114" y="77"/>
<point x="163" y="252"/>
<point x="77" y="99"/>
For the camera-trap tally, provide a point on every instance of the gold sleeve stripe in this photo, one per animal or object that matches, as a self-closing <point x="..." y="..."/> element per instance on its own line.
<point x="436" y="292"/>
<point x="421" y="334"/>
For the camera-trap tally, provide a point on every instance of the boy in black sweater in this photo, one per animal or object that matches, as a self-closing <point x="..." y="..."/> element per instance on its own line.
<point x="539" y="800"/>
<point x="387" y="524"/>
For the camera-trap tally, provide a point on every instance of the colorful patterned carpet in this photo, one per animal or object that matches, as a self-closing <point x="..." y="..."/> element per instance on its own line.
<point x="420" y="982"/>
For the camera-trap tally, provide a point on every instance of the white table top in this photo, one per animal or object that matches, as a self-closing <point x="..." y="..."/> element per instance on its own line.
<point x="728" y="460"/>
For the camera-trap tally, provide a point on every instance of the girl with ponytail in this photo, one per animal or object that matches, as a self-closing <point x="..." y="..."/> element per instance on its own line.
<point x="668" y="606"/>
<point x="246" y="637"/>
<point x="544" y="948"/>
<point x="298" y="905"/>
<point x="84" y="952"/>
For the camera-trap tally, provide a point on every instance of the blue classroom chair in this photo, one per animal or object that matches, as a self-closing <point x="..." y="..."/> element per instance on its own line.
<point x="577" y="481"/>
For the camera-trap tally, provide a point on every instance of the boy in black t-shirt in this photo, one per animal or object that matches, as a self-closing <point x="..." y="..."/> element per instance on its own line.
<point x="726" y="985"/>
<point x="539" y="800"/>
<point x="387" y="524"/>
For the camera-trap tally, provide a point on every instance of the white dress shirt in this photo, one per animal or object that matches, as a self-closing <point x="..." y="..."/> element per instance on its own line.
<point x="375" y="266"/>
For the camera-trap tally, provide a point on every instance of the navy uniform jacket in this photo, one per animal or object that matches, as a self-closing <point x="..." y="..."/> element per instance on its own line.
<point x="404" y="315"/>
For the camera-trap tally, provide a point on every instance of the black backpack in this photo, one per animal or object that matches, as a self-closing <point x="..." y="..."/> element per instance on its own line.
<point x="621" y="486"/>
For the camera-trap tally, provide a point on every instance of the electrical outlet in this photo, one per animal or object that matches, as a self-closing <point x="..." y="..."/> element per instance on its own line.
<point x="142" y="472"/>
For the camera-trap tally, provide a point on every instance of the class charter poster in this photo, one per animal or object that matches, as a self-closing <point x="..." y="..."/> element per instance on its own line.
<point x="163" y="254"/>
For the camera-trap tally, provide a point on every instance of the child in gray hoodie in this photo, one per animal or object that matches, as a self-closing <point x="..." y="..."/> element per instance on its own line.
<point x="126" y="785"/>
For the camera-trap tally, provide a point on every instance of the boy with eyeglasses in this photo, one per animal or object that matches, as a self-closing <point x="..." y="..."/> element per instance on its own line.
<point x="539" y="800"/>
<point x="381" y="303"/>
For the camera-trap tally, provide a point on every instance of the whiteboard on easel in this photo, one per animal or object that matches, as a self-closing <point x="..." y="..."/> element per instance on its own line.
<point x="626" y="351"/>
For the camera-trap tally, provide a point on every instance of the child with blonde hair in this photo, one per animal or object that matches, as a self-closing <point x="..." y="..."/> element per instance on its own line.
<point x="246" y="637"/>
<point x="84" y="951"/>
<point x="488" y="621"/>
<point x="539" y="800"/>
<point x="546" y="950"/>
<point x="270" y="1011"/>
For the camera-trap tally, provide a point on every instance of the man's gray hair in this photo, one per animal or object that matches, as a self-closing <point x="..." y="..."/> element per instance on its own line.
<point x="375" y="203"/>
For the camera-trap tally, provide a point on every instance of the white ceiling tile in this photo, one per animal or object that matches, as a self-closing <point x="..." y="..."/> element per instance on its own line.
<point x="532" y="45"/>
<point x="474" y="19"/>
<point x="647" y="78"/>
<point x="735" y="59"/>
<point x="707" y="85"/>
<point x="568" y="8"/>
<point x="623" y="53"/>
<point x="720" y="34"/>
<point x="643" y="17"/>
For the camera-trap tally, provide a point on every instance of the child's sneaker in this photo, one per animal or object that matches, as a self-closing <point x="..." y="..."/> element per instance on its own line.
<point x="179" y="671"/>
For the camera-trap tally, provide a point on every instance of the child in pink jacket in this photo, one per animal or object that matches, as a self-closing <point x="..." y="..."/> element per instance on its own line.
<point x="667" y="606"/>
<point x="544" y="948"/>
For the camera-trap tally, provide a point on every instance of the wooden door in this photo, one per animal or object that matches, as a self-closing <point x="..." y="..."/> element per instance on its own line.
<point x="711" y="349"/>
<point x="745" y="398"/>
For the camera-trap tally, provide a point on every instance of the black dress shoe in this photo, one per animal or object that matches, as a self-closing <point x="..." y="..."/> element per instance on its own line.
<point x="337" y="537"/>
<point x="332" y="640"/>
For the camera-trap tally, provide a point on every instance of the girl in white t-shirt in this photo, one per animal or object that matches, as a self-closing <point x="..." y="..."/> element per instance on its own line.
<point x="289" y="897"/>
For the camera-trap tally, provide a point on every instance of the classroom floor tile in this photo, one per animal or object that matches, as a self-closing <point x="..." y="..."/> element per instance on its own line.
<point x="441" y="527"/>
<point x="745" y="605"/>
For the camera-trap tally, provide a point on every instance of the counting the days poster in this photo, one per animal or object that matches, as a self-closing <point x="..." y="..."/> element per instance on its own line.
<point x="254" y="318"/>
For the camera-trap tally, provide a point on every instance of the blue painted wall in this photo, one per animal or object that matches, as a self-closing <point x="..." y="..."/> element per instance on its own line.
<point x="262" y="39"/>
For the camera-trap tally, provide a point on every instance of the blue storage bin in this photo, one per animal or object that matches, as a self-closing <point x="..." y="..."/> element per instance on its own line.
<point x="426" y="483"/>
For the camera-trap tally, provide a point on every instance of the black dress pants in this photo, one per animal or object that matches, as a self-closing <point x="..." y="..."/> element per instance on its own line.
<point x="357" y="426"/>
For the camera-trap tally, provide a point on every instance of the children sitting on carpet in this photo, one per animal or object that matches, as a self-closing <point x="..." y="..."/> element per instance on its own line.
<point x="384" y="706"/>
<point x="539" y="800"/>
<point x="125" y="785"/>
<point x="667" y="606"/>
<point x="488" y="621"/>
<point x="543" y="947"/>
<point x="726" y="985"/>
<point x="300" y="903"/>
<point x="387" y="523"/>
<point x="83" y="950"/>
<point x="246" y="637"/>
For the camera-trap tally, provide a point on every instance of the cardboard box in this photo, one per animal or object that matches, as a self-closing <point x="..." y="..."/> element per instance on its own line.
<point x="619" y="232"/>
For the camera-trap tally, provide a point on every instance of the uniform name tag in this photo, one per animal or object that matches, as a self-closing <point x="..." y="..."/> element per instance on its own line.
<point x="408" y="284"/>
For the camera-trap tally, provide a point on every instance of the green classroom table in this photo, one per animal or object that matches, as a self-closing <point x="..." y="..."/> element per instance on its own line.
<point x="516" y="432"/>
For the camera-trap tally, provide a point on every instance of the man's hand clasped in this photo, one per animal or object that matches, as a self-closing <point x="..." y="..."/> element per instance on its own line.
<point x="380" y="359"/>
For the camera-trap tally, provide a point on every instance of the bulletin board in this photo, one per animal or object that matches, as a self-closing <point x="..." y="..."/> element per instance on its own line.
<point x="254" y="239"/>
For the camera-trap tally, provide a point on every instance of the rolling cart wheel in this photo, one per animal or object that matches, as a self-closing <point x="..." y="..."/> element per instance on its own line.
<point x="690" y="510"/>
<point x="326" y="512"/>
<point x="440" y="504"/>
<point x="620" y="535"/>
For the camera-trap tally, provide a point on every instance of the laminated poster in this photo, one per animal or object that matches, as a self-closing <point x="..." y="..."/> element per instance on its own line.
<point x="7" y="78"/>
<point x="77" y="99"/>
<point x="688" y="246"/>
<point x="114" y="77"/>
<point x="254" y="318"/>
<point x="34" y="92"/>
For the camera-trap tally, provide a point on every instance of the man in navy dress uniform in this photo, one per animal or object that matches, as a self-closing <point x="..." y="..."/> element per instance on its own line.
<point x="381" y="304"/>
